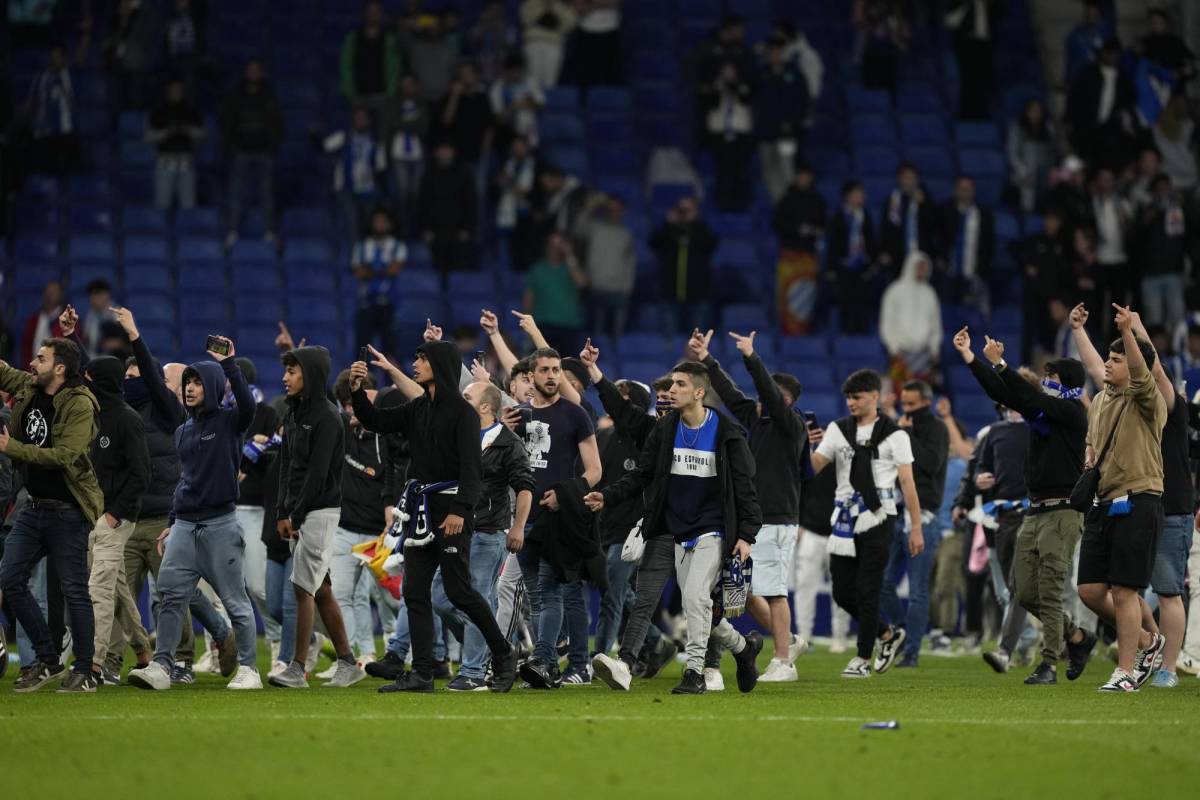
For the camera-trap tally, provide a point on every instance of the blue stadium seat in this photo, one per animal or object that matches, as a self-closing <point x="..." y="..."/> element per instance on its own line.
<point x="977" y="134"/>
<point x="860" y="99"/>
<point x="132" y="124"/>
<point x="642" y="369"/>
<point x="138" y="155"/>
<point x="38" y="221"/>
<point x="610" y="162"/>
<point x="814" y="378"/>
<point x="81" y="273"/>
<point x="417" y="309"/>
<point x="148" y="276"/>
<point x="253" y="251"/>
<point x="876" y="160"/>
<point x="645" y="345"/>
<point x="311" y="279"/>
<point x="419" y="283"/>
<point x="202" y="278"/>
<point x="86" y="219"/>
<point x="28" y="248"/>
<point x="981" y="163"/>
<point x="562" y="98"/>
<point x="143" y="219"/>
<point x="45" y="187"/>
<point x="924" y="129"/>
<point x="815" y="348"/>
<point x="872" y="129"/>
<point x="609" y="99"/>
<point x="463" y="311"/>
<point x="262" y="281"/>
<point x="257" y="335"/>
<point x="301" y="222"/>
<point x="90" y="189"/>
<point x="735" y="255"/>
<point x="743" y="318"/>
<point x="307" y="249"/>
<point x="473" y="284"/>
<point x="200" y="248"/>
<point x="197" y="221"/>
<point x="828" y="161"/>
<point x="32" y="277"/>
<point x="921" y="98"/>
<point x="201" y="308"/>
<point x="932" y="161"/>
<point x="610" y="129"/>
<point x="571" y="160"/>
<point x="857" y="347"/>
<point x="151" y="308"/>
<point x="826" y="406"/>
<point x="93" y="248"/>
<point x="146" y="248"/>
<point x="560" y="129"/>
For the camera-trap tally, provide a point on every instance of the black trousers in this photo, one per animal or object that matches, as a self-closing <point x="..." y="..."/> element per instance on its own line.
<point x="858" y="581"/>
<point x="453" y="555"/>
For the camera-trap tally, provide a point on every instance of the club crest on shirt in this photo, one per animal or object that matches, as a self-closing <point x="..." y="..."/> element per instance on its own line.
<point x="36" y="429"/>
<point x="104" y="442"/>
<point x="537" y="443"/>
<point x="629" y="464"/>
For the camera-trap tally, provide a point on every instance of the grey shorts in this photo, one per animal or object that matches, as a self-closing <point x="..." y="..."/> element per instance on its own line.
<point x="312" y="549"/>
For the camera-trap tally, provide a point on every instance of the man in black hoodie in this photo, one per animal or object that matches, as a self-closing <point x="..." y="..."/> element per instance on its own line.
<point x="931" y="451"/>
<point x="1051" y="528"/>
<point x="445" y="480"/>
<point x="778" y="442"/>
<point x="205" y="539"/>
<point x="122" y="465"/>
<point x="697" y="475"/>
<point x="310" y="496"/>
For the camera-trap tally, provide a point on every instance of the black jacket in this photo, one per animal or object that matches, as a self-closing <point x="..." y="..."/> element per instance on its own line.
<point x="684" y="255"/>
<point x="251" y="121"/>
<point x="568" y="539"/>
<point x="799" y="219"/>
<point x="161" y="414"/>
<point x="119" y="453"/>
<point x="372" y="478"/>
<point x="931" y="450"/>
<point x="1055" y="460"/>
<point x="505" y="467"/>
<point x="778" y="439"/>
<point x="310" y="469"/>
<point x="1002" y="451"/>
<point x="442" y="433"/>
<point x="620" y="448"/>
<point x="265" y="423"/>
<point x="949" y="222"/>
<point x="816" y="502"/>
<point x="893" y="222"/>
<point x="735" y="465"/>
<point x="837" y="240"/>
<point x="447" y="200"/>
<point x="630" y="421"/>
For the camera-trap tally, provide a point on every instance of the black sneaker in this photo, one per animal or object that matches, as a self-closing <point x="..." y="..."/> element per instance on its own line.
<point x="638" y="670"/>
<point x="408" y="682"/>
<point x="539" y="676"/>
<point x="388" y="668"/>
<point x="659" y="657"/>
<point x="577" y="677"/>
<point x="462" y="683"/>
<point x="747" y="663"/>
<point x="1044" y="675"/>
<point x="79" y="683"/>
<point x="998" y="660"/>
<point x="441" y="670"/>
<point x="182" y="673"/>
<point x="693" y="682"/>
<point x="504" y="671"/>
<point x="1078" y="655"/>
<point x="889" y="650"/>
<point x="1147" y="661"/>
<point x="37" y="676"/>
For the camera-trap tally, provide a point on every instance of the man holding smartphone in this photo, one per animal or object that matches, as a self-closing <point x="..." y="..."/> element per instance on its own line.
<point x="205" y="538"/>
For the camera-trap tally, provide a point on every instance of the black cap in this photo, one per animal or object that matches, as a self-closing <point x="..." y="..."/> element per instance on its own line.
<point x="576" y="367"/>
<point x="1069" y="371"/>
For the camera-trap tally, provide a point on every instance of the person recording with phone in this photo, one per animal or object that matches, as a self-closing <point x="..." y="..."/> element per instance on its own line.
<point x="205" y="538"/>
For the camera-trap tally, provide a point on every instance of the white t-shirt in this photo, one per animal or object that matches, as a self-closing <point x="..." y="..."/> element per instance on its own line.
<point x="893" y="451"/>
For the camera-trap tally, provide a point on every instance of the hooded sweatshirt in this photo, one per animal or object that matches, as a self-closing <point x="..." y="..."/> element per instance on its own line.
<point x="265" y="423"/>
<point x="314" y="442"/>
<point x="910" y="319"/>
<point x="161" y="414"/>
<point x="442" y="432"/>
<point x="209" y="443"/>
<point x="119" y="453"/>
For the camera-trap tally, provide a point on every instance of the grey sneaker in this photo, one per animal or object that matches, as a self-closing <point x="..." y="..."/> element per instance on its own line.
<point x="346" y="675"/>
<point x="79" y="682"/>
<point x="37" y="676"/>
<point x="290" y="678"/>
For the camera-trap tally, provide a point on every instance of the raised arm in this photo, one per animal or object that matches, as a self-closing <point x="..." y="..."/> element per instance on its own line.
<point x="628" y="419"/>
<point x="1139" y="372"/>
<point x="242" y="396"/>
<point x="491" y="326"/>
<point x="1165" y="387"/>
<point x="769" y="393"/>
<point x="1093" y="362"/>
<point x="166" y="404"/>
<point x="407" y="386"/>
<point x="742" y="407"/>
<point x="985" y="375"/>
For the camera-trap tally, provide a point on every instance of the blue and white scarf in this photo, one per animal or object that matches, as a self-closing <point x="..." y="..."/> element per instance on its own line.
<point x="1041" y="424"/>
<point x="411" y="522"/>
<point x="852" y="517"/>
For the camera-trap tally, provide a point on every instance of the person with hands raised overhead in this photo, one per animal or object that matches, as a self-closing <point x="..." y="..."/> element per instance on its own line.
<point x="871" y="453"/>
<point x="205" y="539"/>
<point x="1125" y="531"/>
<point x="445" y="481"/>
<point x="1048" y="534"/>
<point x="697" y="477"/>
<point x="779" y="444"/>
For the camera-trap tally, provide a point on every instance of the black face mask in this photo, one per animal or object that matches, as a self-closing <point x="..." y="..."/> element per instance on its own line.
<point x="136" y="392"/>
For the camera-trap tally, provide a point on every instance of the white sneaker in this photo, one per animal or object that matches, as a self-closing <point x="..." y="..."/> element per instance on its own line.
<point x="152" y="676"/>
<point x="245" y="678"/>
<point x="274" y="651"/>
<point x="714" y="681"/>
<point x="314" y="652"/>
<point x="779" y="671"/>
<point x="857" y="668"/>
<point x="838" y="646"/>
<point x="276" y="668"/>
<point x="797" y="648"/>
<point x="329" y="673"/>
<point x="345" y="675"/>
<point x="614" y="672"/>
<point x="1188" y="663"/>
<point x="208" y="662"/>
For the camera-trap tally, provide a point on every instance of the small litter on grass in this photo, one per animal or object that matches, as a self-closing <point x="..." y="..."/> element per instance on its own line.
<point x="890" y="725"/>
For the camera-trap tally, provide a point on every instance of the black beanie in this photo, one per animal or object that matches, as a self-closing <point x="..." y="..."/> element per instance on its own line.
<point x="576" y="367"/>
<point x="1069" y="371"/>
<point x="247" y="368"/>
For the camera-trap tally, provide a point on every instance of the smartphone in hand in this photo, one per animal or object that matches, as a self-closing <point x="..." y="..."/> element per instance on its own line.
<point x="364" y="355"/>
<point x="217" y="344"/>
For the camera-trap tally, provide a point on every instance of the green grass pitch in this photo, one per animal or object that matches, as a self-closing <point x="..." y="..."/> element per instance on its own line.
<point x="965" y="732"/>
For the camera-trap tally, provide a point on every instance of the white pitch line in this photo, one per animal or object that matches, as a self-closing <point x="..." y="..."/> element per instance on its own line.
<point x="17" y="717"/>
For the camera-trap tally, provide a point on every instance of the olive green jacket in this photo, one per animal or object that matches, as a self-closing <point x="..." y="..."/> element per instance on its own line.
<point x="75" y="426"/>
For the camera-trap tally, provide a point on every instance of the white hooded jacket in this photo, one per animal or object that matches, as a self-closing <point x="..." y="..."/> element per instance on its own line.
<point x="910" y="320"/>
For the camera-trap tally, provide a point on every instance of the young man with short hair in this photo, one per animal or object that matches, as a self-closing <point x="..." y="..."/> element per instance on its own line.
<point x="445" y="481"/>
<point x="1122" y="529"/>
<point x="54" y="420"/>
<point x="205" y="539"/>
<point x="310" y="498"/>
<point x="778" y="442"/>
<point x="698" y="478"/>
<point x="561" y="444"/>
<point x="930" y="442"/>
<point x="870" y="453"/>
<point x="1050" y="529"/>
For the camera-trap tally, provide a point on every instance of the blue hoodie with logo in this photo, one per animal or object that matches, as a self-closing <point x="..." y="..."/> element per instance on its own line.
<point x="209" y="443"/>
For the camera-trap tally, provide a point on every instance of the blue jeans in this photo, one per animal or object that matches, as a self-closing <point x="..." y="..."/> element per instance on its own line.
<point x="213" y="550"/>
<point x="487" y="556"/>
<point x="917" y="619"/>
<point x="545" y="592"/>
<point x="61" y="536"/>
<point x="576" y="620"/>
<point x="281" y="605"/>
<point x="37" y="584"/>
<point x="612" y="604"/>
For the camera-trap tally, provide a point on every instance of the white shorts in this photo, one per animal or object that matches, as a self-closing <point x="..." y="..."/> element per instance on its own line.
<point x="312" y="548"/>
<point x="773" y="553"/>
